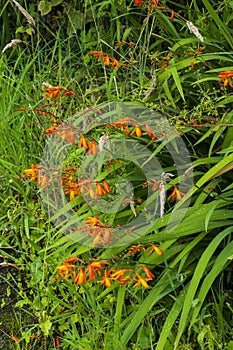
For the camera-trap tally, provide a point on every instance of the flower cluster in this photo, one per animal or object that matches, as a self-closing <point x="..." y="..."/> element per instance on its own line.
<point x="124" y="126"/>
<point x="226" y="77"/>
<point x="157" y="184"/>
<point x="176" y="194"/>
<point x="86" y="187"/>
<point x="69" y="180"/>
<point x="150" y="4"/>
<point x="103" y="273"/>
<point x="55" y="92"/>
<point x="139" y="248"/>
<point x="109" y="60"/>
<point x="102" y="234"/>
<point x="91" y="147"/>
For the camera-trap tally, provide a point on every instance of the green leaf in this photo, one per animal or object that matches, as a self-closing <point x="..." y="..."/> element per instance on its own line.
<point x="44" y="7"/>
<point x="197" y="276"/>
<point x="219" y="265"/>
<point x="208" y="216"/>
<point x="154" y="296"/>
<point x="230" y="345"/>
<point x="56" y="2"/>
<point x="76" y="21"/>
<point x="170" y="320"/>
<point x="45" y="327"/>
<point x="176" y="78"/>
<point x="222" y="27"/>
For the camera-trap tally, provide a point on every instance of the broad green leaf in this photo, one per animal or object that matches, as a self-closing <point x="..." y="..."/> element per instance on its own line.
<point x="44" y="7"/>
<point x="45" y="327"/>
<point x="222" y="27"/>
<point x="156" y="294"/>
<point x="176" y="78"/>
<point x="171" y="319"/>
<point x="221" y="261"/>
<point x="197" y="276"/>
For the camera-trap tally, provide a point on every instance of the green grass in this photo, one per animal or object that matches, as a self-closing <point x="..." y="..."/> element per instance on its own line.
<point x="188" y="304"/>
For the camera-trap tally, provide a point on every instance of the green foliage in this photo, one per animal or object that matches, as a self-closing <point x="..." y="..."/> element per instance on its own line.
<point x="169" y="70"/>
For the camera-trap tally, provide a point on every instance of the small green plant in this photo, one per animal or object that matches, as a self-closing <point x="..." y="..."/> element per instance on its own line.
<point x="167" y="288"/>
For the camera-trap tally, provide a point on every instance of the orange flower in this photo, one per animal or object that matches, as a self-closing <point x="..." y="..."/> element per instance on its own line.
<point x="32" y="173"/>
<point x="95" y="267"/>
<point x="141" y="281"/>
<point x="83" y="143"/>
<point x="150" y="132"/>
<point x="137" y="131"/>
<point x="134" y="249"/>
<point x="106" y="60"/>
<point x="71" y="260"/>
<point x="155" y="249"/>
<point x="106" y="186"/>
<point x="115" y="63"/>
<point x="226" y="76"/>
<point x="149" y="274"/>
<point x="54" y="91"/>
<point x="67" y="134"/>
<point x="106" y="279"/>
<point x="192" y="64"/>
<point x="72" y="188"/>
<point x="97" y="54"/>
<point x="99" y="189"/>
<point x="97" y="264"/>
<point x="87" y="188"/>
<point x="119" y="273"/>
<point x="42" y="180"/>
<point x="70" y="93"/>
<point x="81" y="277"/>
<point x="106" y="235"/>
<point x="50" y="131"/>
<point x="172" y="16"/>
<point x="14" y="338"/>
<point x="138" y="3"/>
<point x="57" y="342"/>
<point x="176" y="194"/>
<point x="91" y="272"/>
<point x="64" y="270"/>
<point x="94" y="221"/>
<point x="93" y="148"/>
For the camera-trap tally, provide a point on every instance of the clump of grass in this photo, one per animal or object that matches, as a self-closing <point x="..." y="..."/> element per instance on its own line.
<point x="167" y="288"/>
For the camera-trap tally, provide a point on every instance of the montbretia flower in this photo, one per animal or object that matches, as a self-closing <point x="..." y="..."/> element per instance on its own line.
<point x="65" y="270"/>
<point x="99" y="189"/>
<point x="176" y="194"/>
<point x="93" y="148"/>
<point x="226" y="76"/>
<point x="50" y="131"/>
<point x="80" y="278"/>
<point x="137" y="130"/>
<point x="72" y="188"/>
<point x="108" y="60"/>
<point x="94" y="267"/>
<point x="67" y="133"/>
<point x="105" y="279"/>
<point x="83" y="143"/>
<point x="33" y="172"/>
<point x="148" y="273"/>
<point x="42" y="179"/>
<point x="94" y="221"/>
<point x="55" y="92"/>
<point x="155" y="249"/>
<point x="140" y="281"/>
